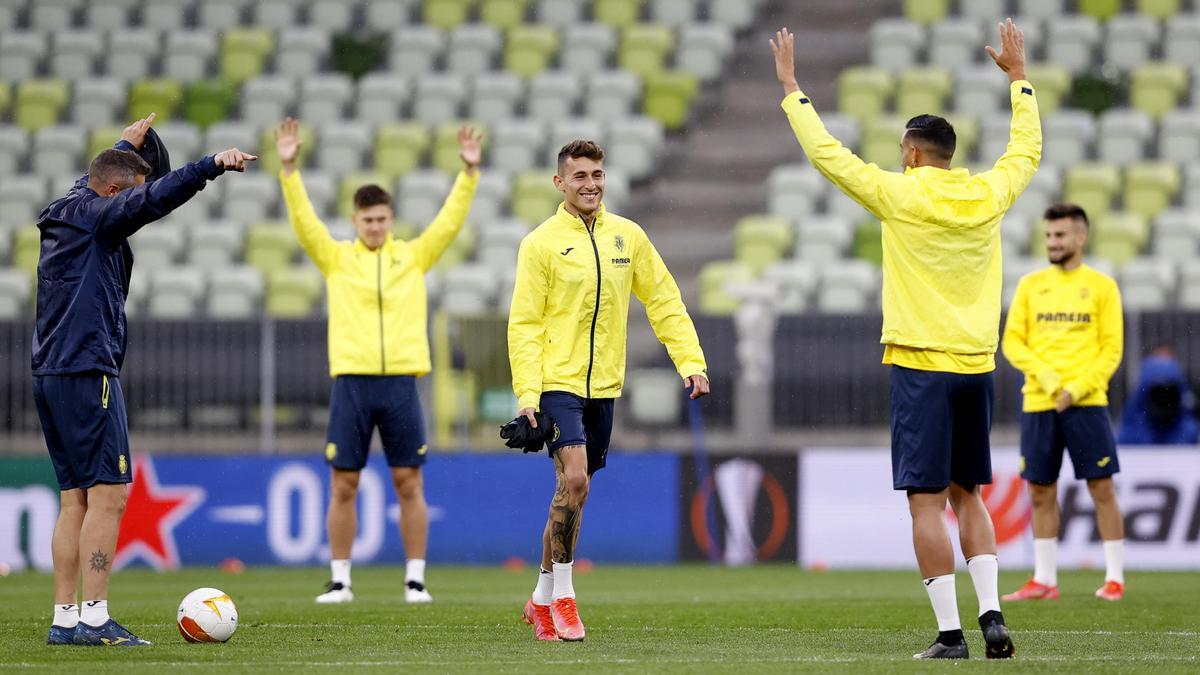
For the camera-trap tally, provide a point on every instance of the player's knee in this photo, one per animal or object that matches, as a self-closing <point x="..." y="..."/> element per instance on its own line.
<point x="345" y="486"/>
<point x="408" y="487"/>
<point x="1102" y="490"/>
<point x="577" y="485"/>
<point x="1043" y="495"/>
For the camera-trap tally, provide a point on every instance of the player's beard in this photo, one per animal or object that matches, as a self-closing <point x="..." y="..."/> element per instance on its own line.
<point x="1061" y="258"/>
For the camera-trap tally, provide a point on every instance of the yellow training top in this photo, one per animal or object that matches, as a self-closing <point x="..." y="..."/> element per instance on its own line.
<point x="377" y="309"/>
<point x="570" y="307"/>
<point x="941" y="238"/>
<point x="1065" y="330"/>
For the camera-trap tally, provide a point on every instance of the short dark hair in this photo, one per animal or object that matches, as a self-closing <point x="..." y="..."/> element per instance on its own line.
<point x="121" y="167"/>
<point x="935" y="133"/>
<point x="579" y="148"/>
<point x="1073" y="211"/>
<point x="371" y="195"/>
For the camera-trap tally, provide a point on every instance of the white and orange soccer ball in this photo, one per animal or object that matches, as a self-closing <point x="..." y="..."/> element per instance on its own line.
<point x="207" y="615"/>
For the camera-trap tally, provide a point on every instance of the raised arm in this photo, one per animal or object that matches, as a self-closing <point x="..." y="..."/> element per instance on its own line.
<point x="1015" y="345"/>
<point x="1016" y="167"/>
<point x="430" y="245"/>
<point x="527" y="327"/>
<point x="314" y="236"/>
<point x="867" y="184"/>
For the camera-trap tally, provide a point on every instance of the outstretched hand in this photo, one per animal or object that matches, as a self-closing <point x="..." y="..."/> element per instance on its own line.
<point x="1011" y="57"/>
<point x="287" y="143"/>
<point x="470" y="147"/>
<point x="784" y="49"/>
<point x="136" y="133"/>
<point x="234" y="159"/>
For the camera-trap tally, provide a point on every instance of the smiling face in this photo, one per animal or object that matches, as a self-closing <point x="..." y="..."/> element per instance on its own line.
<point x="1065" y="239"/>
<point x="581" y="180"/>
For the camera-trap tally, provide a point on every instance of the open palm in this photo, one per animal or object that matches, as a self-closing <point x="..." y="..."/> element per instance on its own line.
<point x="287" y="140"/>
<point x="470" y="146"/>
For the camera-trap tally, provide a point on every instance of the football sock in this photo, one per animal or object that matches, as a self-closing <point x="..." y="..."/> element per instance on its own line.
<point x="944" y="601"/>
<point x="94" y="612"/>
<point x="562" y="581"/>
<point x="543" y="593"/>
<point x="415" y="571"/>
<point x="1114" y="560"/>
<point x="951" y="637"/>
<point x="985" y="571"/>
<point x="66" y="616"/>
<point x="340" y="571"/>
<point x="1045" y="561"/>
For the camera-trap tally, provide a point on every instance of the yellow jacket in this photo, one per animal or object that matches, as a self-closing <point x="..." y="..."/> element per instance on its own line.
<point x="1065" y="330"/>
<point x="570" y="307"/>
<point x="377" y="310"/>
<point x="941" y="238"/>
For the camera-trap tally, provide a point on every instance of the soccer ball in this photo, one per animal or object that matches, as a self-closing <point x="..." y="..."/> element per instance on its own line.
<point x="207" y="615"/>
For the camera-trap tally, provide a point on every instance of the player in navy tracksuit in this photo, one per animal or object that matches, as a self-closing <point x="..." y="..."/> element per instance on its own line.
<point x="78" y="348"/>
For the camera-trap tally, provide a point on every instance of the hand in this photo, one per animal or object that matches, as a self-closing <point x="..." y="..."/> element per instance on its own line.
<point x="136" y="133"/>
<point x="1063" y="401"/>
<point x="1011" y="58"/>
<point x="287" y="143"/>
<point x="784" y="49"/>
<point x="234" y="159"/>
<point x="470" y="147"/>
<point x="527" y="413"/>
<point x="698" y="384"/>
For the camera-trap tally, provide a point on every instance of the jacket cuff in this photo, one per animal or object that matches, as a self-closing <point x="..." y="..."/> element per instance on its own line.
<point x="689" y="369"/>
<point x="529" y="401"/>
<point x="125" y="145"/>
<point x="1020" y="87"/>
<point x="208" y="167"/>
<point x="1077" y="390"/>
<point x="793" y="99"/>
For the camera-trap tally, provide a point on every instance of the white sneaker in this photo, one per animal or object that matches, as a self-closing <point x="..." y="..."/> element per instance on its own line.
<point x="334" y="593"/>
<point x="414" y="591"/>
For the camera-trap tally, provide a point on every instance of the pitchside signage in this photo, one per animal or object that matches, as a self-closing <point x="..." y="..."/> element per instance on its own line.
<point x="483" y="509"/>
<point x="738" y="510"/>
<point x="850" y="517"/>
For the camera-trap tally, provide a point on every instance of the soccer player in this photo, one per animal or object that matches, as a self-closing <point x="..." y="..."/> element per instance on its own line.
<point x="566" y="346"/>
<point x="378" y="347"/>
<point x="941" y="318"/>
<point x="78" y="350"/>
<point x="1065" y="332"/>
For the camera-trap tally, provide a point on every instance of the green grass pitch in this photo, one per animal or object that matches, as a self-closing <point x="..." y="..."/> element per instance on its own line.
<point x="639" y="619"/>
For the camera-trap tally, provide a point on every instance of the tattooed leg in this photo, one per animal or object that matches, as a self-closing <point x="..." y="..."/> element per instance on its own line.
<point x="64" y="547"/>
<point x="98" y="537"/>
<point x="570" y="493"/>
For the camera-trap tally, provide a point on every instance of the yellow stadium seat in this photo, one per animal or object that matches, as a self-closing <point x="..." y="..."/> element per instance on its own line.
<point x="271" y="246"/>
<point x="966" y="132"/>
<point x="27" y="248"/>
<point x="926" y="11"/>
<point x="504" y="14"/>
<point x="1150" y="186"/>
<point x="1157" y="87"/>
<point x="244" y="52"/>
<point x="863" y="92"/>
<point x="1159" y="9"/>
<point x="1092" y="186"/>
<point x="534" y="197"/>
<point x="103" y="138"/>
<point x="714" y="300"/>
<point x="923" y="91"/>
<point x="529" y="49"/>
<point x="1052" y="82"/>
<point x="1118" y="237"/>
<point x="644" y="48"/>
<point x="881" y="142"/>
<point x="160" y="96"/>
<point x="1101" y="9"/>
<point x="617" y="13"/>
<point x="669" y="97"/>
<point x="292" y="292"/>
<point x="445" y="14"/>
<point x="400" y="147"/>
<point x="39" y="103"/>
<point x="761" y="240"/>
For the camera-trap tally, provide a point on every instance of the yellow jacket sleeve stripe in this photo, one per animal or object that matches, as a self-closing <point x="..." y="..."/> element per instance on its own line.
<point x="654" y="286"/>
<point x="1015" y="344"/>
<point x="313" y="235"/>
<point x="430" y="245"/>
<point x="526" y="326"/>
<point x="1012" y="172"/>
<point x="1112" y="344"/>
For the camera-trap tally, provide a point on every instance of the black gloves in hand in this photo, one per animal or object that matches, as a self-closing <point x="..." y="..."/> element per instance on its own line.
<point x="520" y="434"/>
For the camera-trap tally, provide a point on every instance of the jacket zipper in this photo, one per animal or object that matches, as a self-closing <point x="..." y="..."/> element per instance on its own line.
<point x="379" y="295"/>
<point x="595" y="311"/>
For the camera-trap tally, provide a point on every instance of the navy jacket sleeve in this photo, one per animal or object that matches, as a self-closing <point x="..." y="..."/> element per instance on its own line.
<point x="119" y="216"/>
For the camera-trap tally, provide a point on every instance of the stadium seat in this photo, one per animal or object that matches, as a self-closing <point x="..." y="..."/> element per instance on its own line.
<point x="842" y="127"/>
<point x="1182" y="43"/>
<point x="669" y="97"/>
<point x="564" y="131"/>
<point x="16" y="291"/>
<point x="14" y="145"/>
<point x="387" y="15"/>
<point x="1100" y="9"/>
<point x="895" y="44"/>
<point x="1150" y="187"/>
<point x="158" y="247"/>
<point x="400" y="147"/>
<point x="445" y="146"/>
<point x="75" y="53"/>
<point x="279" y="15"/>
<point x="1157" y="87"/>
<point x="6" y="97"/>
<point x="468" y="289"/>
<point x="1189" y="287"/>
<point x="57" y="150"/>
<point x="292" y="292"/>
<point x="617" y="13"/>
<point x="494" y="97"/>
<point x="491" y="200"/>
<point x="923" y="91"/>
<point x="926" y="11"/>
<point x="954" y="44"/>
<point x="704" y="48"/>
<point x="673" y="13"/>
<point x="445" y="14"/>
<point x="214" y="244"/>
<point x="222" y="15"/>
<point x="207" y="102"/>
<point x="473" y="49"/>
<point x="1123" y="135"/>
<point x="8" y="16"/>
<point x="103" y="138"/>
<point x="592" y="45"/>
<point x="175" y="292"/>
<point x="438" y="98"/>
<point x="534" y="197"/>
<point x="234" y="292"/>
<point x="517" y="145"/>
<point x="301" y="51"/>
<point x="108" y="14"/>
<point x="251" y="198"/>
<point x="1119" y="236"/>
<point x="381" y="97"/>
<point x="713" y="279"/>
<point x="529" y="49"/>
<point x="165" y="14"/>
<point x="324" y="98"/>
<point x="552" y="95"/>
<point x="20" y="52"/>
<point x="822" y="239"/>
<point x="847" y="287"/>
<point x="1129" y="39"/>
<point x="644" y="48"/>
<point x="611" y="94"/>
<point x="1071" y="41"/>
<point x="27" y="244"/>
<point x="421" y="196"/>
<point x="654" y="398"/>
<point x="1042" y="9"/>
<point x="1179" y="136"/>
<point x="881" y="142"/>
<point x="737" y="14"/>
<point x="97" y="100"/>
<point x="634" y="145"/>
<point x="794" y="190"/>
<point x="863" y="92"/>
<point x="48" y="15"/>
<point x="1066" y="136"/>
<point x="39" y="103"/>
<point x="189" y="54"/>
<point x="415" y="50"/>
<point x="794" y="281"/>
<point x="332" y="15"/>
<point x="1053" y="83"/>
<point x="322" y="189"/>
<point x="503" y="14"/>
<point x="838" y="205"/>
<point x="244" y="52"/>
<point x="130" y="57"/>
<point x="1092" y="186"/>
<point x="761" y="240"/>
<point x="867" y="242"/>
<point x="1176" y="235"/>
<point x="270" y="246"/>
<point x="160" y="96"/>
<point x="267" y="99"/>
<point x="966" y="130"/>
<point x="342" y="146"/>
<point x="351" y="182"/>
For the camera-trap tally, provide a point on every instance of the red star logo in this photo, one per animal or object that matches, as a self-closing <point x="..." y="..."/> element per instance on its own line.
<point x="151" y="514"/>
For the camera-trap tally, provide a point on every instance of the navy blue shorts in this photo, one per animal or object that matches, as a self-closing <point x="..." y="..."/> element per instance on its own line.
<point x="360" y="403"/>
<point x="580" y="421"/>
<point x="941" y="424"/>
<point x="1085" y="432"/>
<point x="87" y="432"/>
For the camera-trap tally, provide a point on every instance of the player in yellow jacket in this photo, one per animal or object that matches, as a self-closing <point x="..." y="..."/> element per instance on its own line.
<point x="1065" y="332"/>
<point x="566" y="346"/>
<point x="941" y="318"/>
<point x="378" y="346"/>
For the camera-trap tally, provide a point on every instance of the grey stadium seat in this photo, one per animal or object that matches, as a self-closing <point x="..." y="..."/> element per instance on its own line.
<point x="20" y="53"/>
<point x="1179" y="136"/>
<point x="158" y="245"/>
<point x="14" y="145"/>
<point x="703" y="48"/>
<point x="498" y="242"/>
<point x="129" y="57"/>
<point x="491" y="198"/>
<point x="552" y="95"/>
<point x="221" y="15"/>
<point x="175" y="292"/>
<point x="75" y="53"/>
<point x="1183" y="40"/>
<point x="234" y="292"/>
<point x="183" y="141"/>
<point x="421" y="196"/>
<point x="415" y="49"/>
<point x="472" y="49"/>
<point x="389" y="15"/>
<point x="114" y="15"/>
<point x="277" y="14"/>
<point x="1176" y="234"/>
<point x="634" y="144"/>
<point x="954" y="44"/>
<point x="16" y="292"/>
<point x="611" y="94"/>
<point x="517" y="144"/>
<point x="165" y="14"/>
<point x="51" y="15"/>
<point x="674" y="13"/>
<point x="494" y="96"/>
<point x="1147" y="283"/>
<point x="1066" y="136"/>
<point x="381" y="97"/>
<point x="895" y="44"/>
<point x="591" y="48"/>
<point x="1042" y="9"/>
<point x="794" y="190"/>
<point x="301" y="51"/>
<point x="561" y="13"/>
<point x="334" y="15"/>
<point x="1129" y="38"/>
<point x="322" y="190"/>
<point x="58" y="150"/>
<point x="438" y="98"/>
<point x="566" y="130"/>
<point x="794" y="282"/>
<point x="266" y="100"/>
<point x="324" y="98"/>
<point x="214" y="244"/>
<point x="468" y="289"/>
<point x="980" y="90"/>
<point x="250" y="198"/>
<point x="341" y="146"/>
<point x="847" y="287"/>
<point x="737" y="14"/>
<point x="189" y="54"/>
<point x="97" y="100"/>
<point x="1123" y="135"/>
<point x="1071" y="42"/>
<point x="822" y="239"/>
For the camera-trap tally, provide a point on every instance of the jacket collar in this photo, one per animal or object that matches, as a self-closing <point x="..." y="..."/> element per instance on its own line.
<point x="360" y="247"/>
<point x="565" y="216"/>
